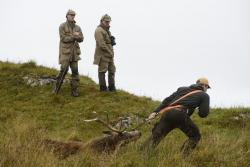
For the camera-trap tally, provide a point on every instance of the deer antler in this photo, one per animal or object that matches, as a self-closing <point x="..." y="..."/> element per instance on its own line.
<point x="105" y="124"/>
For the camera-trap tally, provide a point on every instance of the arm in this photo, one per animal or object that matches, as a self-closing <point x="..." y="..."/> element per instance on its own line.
<point x="65" y="37"/>
<point x="79" y="37"/>
<point x="204" y="106"/>
<point x="101" y="42"/>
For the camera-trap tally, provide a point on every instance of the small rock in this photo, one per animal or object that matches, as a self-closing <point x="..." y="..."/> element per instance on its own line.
<point x="36" y="81"/>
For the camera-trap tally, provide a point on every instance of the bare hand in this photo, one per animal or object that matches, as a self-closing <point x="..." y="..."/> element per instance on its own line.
<point x="152" y="116"/>
<point x="76" y="33"/>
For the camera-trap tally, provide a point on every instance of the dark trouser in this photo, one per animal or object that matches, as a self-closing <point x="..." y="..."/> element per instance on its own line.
<point x="111" y="81"/>
<point x="176" y="119"/>
<point x="102" y="69"/>
<point x="75" y="75"/>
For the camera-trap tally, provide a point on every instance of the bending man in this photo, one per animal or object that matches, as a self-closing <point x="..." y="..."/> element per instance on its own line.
<point x="176" y="111"/>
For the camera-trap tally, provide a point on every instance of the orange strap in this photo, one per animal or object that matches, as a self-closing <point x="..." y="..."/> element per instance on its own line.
<point x="171" y="106"/>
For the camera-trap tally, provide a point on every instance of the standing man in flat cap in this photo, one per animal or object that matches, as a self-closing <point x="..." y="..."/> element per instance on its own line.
<point x="69" y="50"/>
<point x="104" y="54"/>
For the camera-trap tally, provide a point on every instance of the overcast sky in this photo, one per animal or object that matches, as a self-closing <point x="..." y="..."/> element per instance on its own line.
<point x="161" y="44"/>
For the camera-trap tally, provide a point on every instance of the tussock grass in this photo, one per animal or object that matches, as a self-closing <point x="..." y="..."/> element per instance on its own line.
<point x="30" y="114"/>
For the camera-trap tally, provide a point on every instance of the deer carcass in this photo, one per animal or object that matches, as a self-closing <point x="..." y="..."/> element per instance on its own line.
<point x="108" y="143"/>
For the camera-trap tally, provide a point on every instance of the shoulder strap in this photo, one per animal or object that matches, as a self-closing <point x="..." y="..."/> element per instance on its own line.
<point x="172" y="105"/>
<point x="188" y="94"/>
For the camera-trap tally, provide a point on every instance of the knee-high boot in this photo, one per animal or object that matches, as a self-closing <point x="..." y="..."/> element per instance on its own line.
<point x="102" y="81"/>
<point x="111" y="80"/>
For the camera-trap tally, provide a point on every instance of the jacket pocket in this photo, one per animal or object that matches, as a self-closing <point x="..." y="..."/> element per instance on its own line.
<point x="66" y="45"/>
<point x="66" y="50"/>
<point x="78" y="50"/>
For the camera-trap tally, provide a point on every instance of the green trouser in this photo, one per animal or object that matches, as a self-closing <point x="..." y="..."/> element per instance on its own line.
<point x="74" y="76"/>
<point x="103" y="67"/>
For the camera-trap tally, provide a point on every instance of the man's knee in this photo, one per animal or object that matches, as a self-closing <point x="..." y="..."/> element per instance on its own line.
<point x="158" y="132"/>
<point x="112" y="69"/>
<point x="196" y="138"/>
<point x="191" y="130"/>
<point x="103" y="66"/>
<point x="75" y="71"/>
<point x="102" y="70"/>
<point x="194" y="134"/>
<point x="64" y="68"/>
<point x="74" y="68"/>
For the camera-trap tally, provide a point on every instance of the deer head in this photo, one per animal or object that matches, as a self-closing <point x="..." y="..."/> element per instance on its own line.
<point x="114" y="138"/>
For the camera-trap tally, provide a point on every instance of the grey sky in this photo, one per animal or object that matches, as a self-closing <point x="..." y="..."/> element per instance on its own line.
<point x="161" y="44"/>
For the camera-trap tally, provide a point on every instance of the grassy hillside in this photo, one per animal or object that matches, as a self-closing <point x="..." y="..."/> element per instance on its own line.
<point x="30" y="114"/>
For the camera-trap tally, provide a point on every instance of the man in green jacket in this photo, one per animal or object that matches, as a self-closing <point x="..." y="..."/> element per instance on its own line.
<point x="69" y="50"/>
<point x="104" y="54"/>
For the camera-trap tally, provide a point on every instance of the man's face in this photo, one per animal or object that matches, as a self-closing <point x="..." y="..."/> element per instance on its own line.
<point x="205" y="87"/>
<point x="71" y="17"/>
<point x="106" y="23"/>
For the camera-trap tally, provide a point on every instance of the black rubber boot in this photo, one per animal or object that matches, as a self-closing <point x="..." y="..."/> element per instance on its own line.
<point x="74" y="92"/>
<point x="102" y="82"/>
<point x="111" y="80"/>
<point x="103" y="88"/>
<point x="112" y="88"/>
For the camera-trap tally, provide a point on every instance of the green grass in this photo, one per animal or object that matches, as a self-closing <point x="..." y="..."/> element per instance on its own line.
<point x="30" y="114"/>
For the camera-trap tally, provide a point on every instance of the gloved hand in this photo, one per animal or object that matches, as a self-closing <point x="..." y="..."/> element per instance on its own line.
<point x="152" y="116"/>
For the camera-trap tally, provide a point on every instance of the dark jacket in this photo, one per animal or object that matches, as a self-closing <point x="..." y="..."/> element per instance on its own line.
<point x="200" y="99"/>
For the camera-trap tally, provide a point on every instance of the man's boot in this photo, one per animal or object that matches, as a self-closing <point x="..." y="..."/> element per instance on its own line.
<point x="74" y="85"/>
<point x="102" y="82"/>
<point x="111" y="80"/>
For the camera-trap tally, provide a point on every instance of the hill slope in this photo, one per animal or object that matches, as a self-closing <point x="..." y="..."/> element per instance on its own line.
<point x="29" y="114"/>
